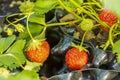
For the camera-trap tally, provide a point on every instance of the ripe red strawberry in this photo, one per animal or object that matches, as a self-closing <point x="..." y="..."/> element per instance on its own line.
<point x="38" y="52"/>
<point x="108" y="17"/>
<point x="76" y="59"/>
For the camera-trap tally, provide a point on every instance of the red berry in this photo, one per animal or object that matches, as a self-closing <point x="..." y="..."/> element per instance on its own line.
<point x="108" y="17"/>
<point x="76" y="59"/>
<point x="39" y="54"/>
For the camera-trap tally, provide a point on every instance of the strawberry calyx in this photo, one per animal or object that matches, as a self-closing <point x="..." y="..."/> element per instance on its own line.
<point x="34" y="44"/>
<point x="81" y="48"/>
<point x="37" y="41"/>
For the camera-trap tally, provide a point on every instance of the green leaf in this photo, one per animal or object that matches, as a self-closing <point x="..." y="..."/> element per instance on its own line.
<point x="116" y="47"/>
<point x="40" y="19"/>
<point x="14" y="56"/>
<point x="43" y="6"/>
<point x="6" y="42"/>
<point x="32" y="66"/>
<point x="35" y="29"/>
<point x="69" y="4"/>
<point x="25" y="75"/>
<point x="118" y="57"/>
<point x="113" y="5"/>
<point x="79" y="1"/>
<point x="17" y="47"/>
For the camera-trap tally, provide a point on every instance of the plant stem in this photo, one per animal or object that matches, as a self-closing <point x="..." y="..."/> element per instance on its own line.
<point x="110" y="40"/>
<point x="93" y="16"/>
<point x="16" y="14"/>
<point x="81" y="44"/>
<point x="93" y="3"/>
<point x="118" y="33"/>
<point x="63" y="23"/>
<point x="110" y="35"/>
<point x="12" y="23"/>
<point x="27" y="25"/>
<point x="106" y="45"/>
<point x="42" y="35"/>
<point x="97" y="3"/>
<point x="68" y="9"/>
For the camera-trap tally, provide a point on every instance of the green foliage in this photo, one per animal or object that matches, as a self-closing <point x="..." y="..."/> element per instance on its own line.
<point x="39" y="19"/>
<point x="43" y="6"/>
<point x="32" y="66"/>
<point x="35" y="29"/>
<point x="25" y="75"/>
<point x="116" y="47"/>
<point x="6" y="42"/>
<point x="118" y="57"/>
<point x="79" y="1"/>
<point x="114" y="6"/>
<point x="14" y="56"/>
<point x="12" y="48"/>
<point x="70" y="5"/>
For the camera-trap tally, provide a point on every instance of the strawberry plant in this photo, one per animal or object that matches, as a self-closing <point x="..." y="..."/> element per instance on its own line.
<point x="25" y="45"/>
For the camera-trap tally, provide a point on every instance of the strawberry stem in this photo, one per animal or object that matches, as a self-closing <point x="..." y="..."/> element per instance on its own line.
<point x="68" y="9"/>
<point x="15" y="14"/>
<point x="106" y="45"/>
<point x="27" y="25"/>
<point x="13" y="23"/>
<point x="97" y="3"/>
<point x="110" y="40"/>
<point x="42" y="35"/>
<point x="63" y="23"/>
<point x="110" y="35"/>
<point x="81" y="44"/>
